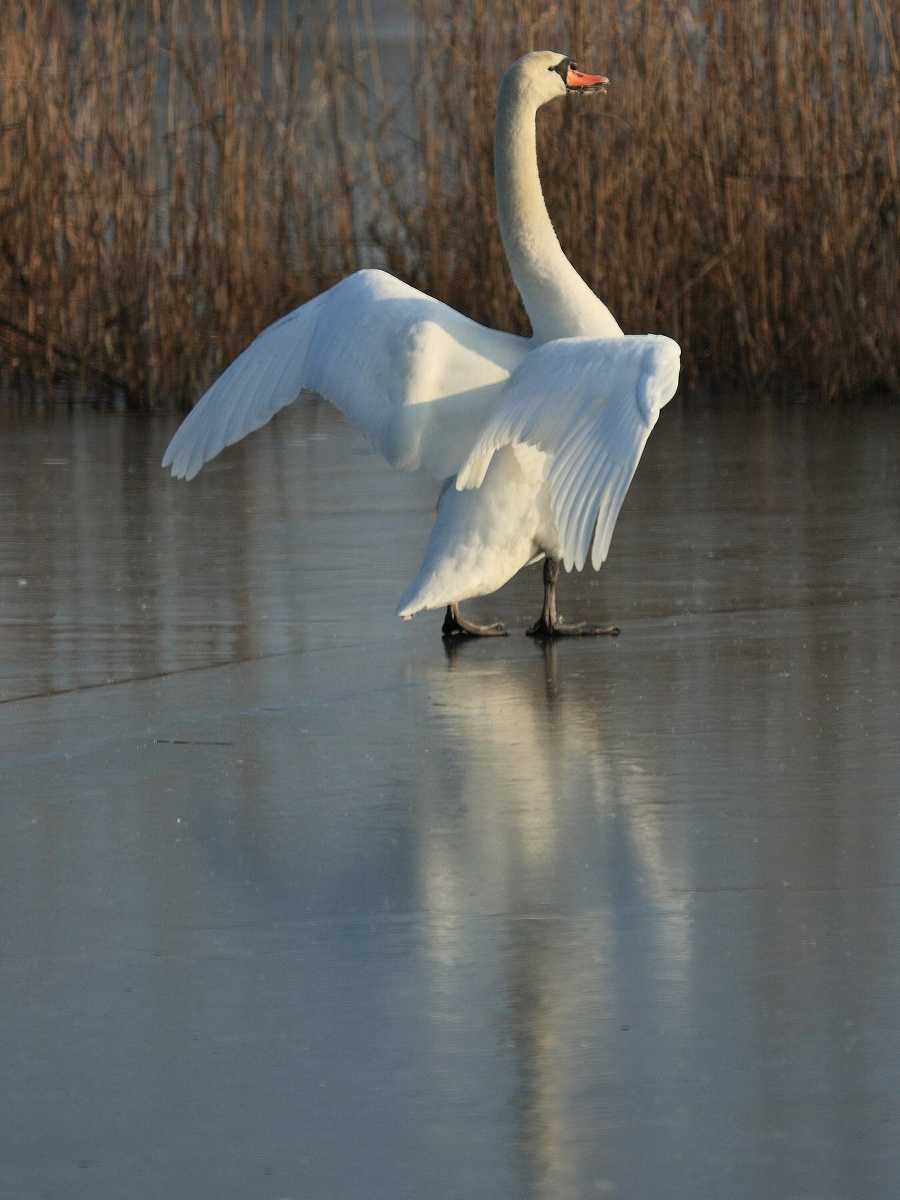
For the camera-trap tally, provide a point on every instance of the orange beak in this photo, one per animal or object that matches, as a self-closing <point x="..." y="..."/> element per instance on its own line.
<point x="579" y="82"/>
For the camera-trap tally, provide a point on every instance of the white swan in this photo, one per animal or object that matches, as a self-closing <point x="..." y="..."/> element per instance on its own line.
<point x="538" y="438"/>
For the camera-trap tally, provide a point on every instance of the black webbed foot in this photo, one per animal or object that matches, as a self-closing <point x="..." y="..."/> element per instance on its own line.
<point x="550" y="624"/>
<point x="558" y="628"/>
<point x="456" y="625"/>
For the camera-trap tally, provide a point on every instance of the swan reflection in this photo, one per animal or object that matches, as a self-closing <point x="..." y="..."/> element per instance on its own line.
<point x="540" y="773"/>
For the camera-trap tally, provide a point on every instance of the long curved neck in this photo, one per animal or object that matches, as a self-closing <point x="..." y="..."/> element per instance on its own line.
<point x="558" y="301"/>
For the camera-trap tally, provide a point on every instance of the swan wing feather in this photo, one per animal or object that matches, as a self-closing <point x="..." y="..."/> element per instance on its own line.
<point x="589" y="405"/>
<point x="412" y="374"/>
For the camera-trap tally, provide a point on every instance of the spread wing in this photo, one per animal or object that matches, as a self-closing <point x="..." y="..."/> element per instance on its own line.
<point x="588" y="404"/>
<point x="415" y="376"/>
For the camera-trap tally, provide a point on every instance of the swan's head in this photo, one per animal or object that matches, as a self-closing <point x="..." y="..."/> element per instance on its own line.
<point x="545" y="75"/>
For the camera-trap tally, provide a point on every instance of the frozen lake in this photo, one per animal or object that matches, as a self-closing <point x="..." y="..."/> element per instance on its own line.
<point x="295" y="902"/>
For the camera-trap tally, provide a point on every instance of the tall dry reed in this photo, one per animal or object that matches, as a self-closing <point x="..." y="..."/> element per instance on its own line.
<point x="173" y="176"/>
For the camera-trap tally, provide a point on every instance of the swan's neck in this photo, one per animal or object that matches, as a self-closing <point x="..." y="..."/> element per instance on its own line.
<point x="558" y="301"/>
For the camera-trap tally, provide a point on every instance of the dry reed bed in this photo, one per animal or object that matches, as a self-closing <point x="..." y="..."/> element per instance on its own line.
<point x="173" y="176"/>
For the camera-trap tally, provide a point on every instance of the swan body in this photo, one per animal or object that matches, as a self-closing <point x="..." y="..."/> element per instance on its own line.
<point x="549" y="471"/>
<point x="537" y="439"/>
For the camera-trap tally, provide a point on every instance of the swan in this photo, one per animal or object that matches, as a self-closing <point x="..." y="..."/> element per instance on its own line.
<point x="535" y="439"/>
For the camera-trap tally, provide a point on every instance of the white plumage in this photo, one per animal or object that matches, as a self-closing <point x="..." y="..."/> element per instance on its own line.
<point x="412" y="374"/>
<point x="538" y="438"/>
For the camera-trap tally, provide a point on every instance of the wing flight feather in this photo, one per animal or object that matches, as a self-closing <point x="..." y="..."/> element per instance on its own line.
<point x="589" y="404"/>
<point x="415" y="376"/>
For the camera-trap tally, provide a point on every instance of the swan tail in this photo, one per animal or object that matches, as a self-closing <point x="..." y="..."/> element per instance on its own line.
<point x="427" y="591"/>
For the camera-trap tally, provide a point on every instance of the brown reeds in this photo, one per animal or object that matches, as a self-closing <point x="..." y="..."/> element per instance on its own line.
<point x="173" y="177"/>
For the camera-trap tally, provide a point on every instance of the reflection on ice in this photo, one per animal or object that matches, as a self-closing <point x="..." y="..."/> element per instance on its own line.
<point x="531" y="787"/>
<point x="531" y="776"/>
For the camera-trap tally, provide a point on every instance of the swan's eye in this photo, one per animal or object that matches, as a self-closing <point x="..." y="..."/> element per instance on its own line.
<point x="562" y="68"/>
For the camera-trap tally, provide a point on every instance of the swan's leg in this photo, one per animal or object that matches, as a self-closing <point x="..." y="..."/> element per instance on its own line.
<point x="456" y="624"/>
<point x="549" y="624"/>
